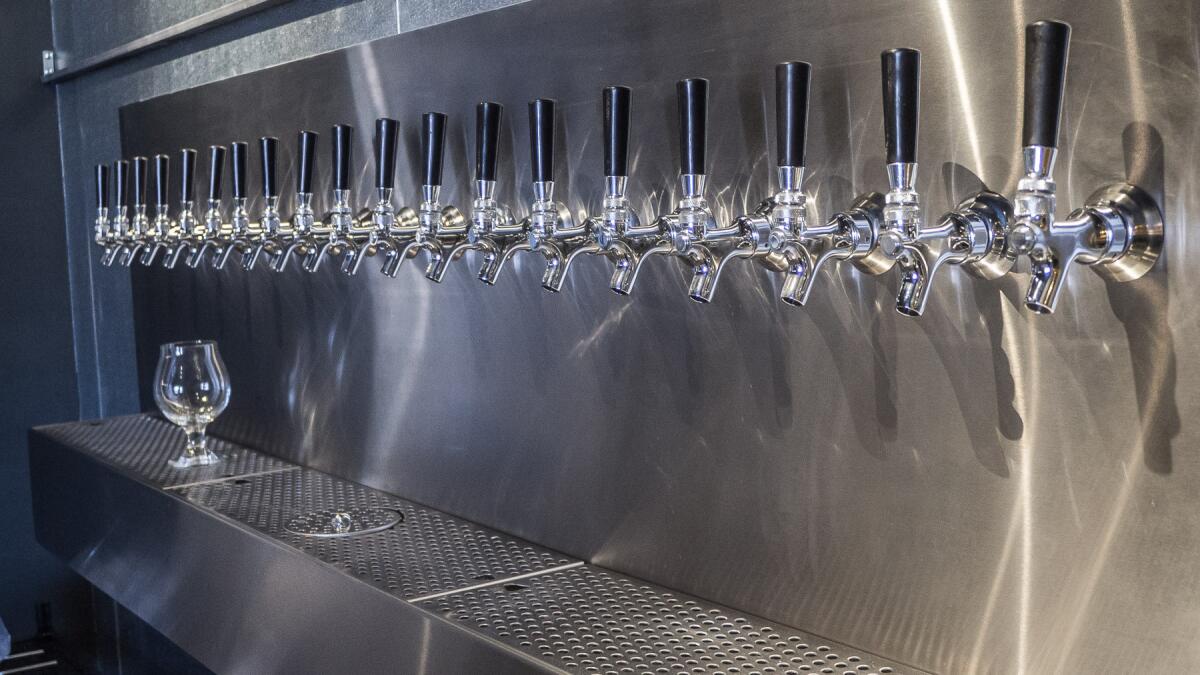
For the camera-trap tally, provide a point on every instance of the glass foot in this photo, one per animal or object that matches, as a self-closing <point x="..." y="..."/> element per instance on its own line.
<point x="188" y="460"/>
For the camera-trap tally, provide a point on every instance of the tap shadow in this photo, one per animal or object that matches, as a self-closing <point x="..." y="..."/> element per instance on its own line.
<point x="985" y="421"/>
<point x="861" y="380"/>
<point x="1142" y="307"/>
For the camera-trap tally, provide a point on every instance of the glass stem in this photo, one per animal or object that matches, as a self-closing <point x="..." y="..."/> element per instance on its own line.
<point x="196" y="441"/>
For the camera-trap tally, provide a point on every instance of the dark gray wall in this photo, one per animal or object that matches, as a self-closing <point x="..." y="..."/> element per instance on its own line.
<point x="37" y="368"/>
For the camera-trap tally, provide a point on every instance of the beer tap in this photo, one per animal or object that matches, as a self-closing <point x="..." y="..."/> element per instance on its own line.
<point x="444" y="228"/>
<point x="550" y="229"/>
<point x="160" y="232"/>
<point x="238" y="236"/>
<point x="300" y="239"/>
<point x="213" y="223"/>
<point x="693" y="232"/>
<point x="974" y="235"/>
<point x="619" y="233"/>
<point x="333" y="236"/>
<point x="189" y="230"/>
<point x="104" y="233"/>
<point x="395" y="232"/>
<point x="139" y="223"/>
<point x="493" y="230"/>
<point x="263" y="234"/>
<point x="1119" y="229"/>
<point x="119" y="218"/>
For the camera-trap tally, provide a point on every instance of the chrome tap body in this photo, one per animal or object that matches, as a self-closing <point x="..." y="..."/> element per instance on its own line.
<point x="161" y="233"/>
<point x="1119" y="229"/>
<point x="550" y="229"/>
<point x="297" y="239"/>
<point x="492" y="231"/>
<point x="974" y="235"/>
<point x="139" y="223"/>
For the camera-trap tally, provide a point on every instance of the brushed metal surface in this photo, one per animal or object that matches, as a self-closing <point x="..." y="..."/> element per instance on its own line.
<point x="233" y="598"/>
<point x="144" y="445"/>
<point x="980" y="490"/>
<point x="590" y="620"/>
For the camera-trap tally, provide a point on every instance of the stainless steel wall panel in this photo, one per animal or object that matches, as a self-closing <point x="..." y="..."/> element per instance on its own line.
<point x="979" y="490"/>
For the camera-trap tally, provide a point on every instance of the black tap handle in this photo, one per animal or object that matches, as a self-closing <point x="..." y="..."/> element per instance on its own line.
<point x="386" y="132"/>
<point x="901" y="103"/>
<point x="693" y="123"/>
<point x="343" y="137"/>
<point x="1046" y="45"/>
<point x="541" y="139"/>
<point x="267" y="145"/>
<point x="216" y="168"/>
<point x="616" y="131"/>
<point x="792" y="81"/>
<point x="121" y="169"/>
<point x="237" y="153"/>
<point x="487" y="139"/>
<point x="187" y="175"/>
<point x="433" y="143"/>
<point x="102" y="186"/>
<point x="162" y="173"/>
<point x="141" y="167"/>
<point x="308" y="148"/>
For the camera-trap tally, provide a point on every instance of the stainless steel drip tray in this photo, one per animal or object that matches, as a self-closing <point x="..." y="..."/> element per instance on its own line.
<point x="287" y="569"/>
<point x="144" y="444"/>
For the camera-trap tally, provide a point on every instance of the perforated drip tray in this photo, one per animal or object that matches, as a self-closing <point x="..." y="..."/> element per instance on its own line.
<point x="424" y="553"/>
<point x="144" y="444"/>
<point x="590" y="620"/>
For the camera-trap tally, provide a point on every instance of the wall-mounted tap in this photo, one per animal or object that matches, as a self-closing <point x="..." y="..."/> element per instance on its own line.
<point x="396" y="232"/>
<point x="492" y="230"/>
<point x="139" y="223"/>
<point x="1119" y="229"/>
<point x="213" y="220"/>
<point x="371" y="232"/>
<point x="550" y="229"/>
<point x="237" y="237"/>
<point x="188" y="233"/>
<point x="618" y="231"/>
<point x="334" y="234"/>
<point x="119" y="225"/>
<point x="974" y="235"/>
<point x="443" y="228"/>
<point x="262" y="237"/>
<point x="161" y="228"/>
<point x="298" y="239"/>
<point x="691" y="229"/>
<point x="104" y="233"/>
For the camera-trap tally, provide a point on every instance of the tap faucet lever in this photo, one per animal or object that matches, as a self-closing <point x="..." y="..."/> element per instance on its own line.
<point x="973" y="235"/>
<point x="103" y="232"/>
<point x="160" y="226"/>
<point x="262" y="236"/>
<point x="1118" y="231"/>
<point x="212" y="222"/>
<point x="443" y="229"/>
<point x="492" y="231"/>
<point x="552" y="230"/>
<point x="300" y="239"/>
<point x="339" y="223"/>
<point x="618" y="231"/>
<point x="185" y="235"/>
<point x="692" y="230"/>
<point x="239" y="237"/>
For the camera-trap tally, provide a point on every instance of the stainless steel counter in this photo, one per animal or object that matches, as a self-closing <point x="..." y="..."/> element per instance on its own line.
<point x="205" y="556"/>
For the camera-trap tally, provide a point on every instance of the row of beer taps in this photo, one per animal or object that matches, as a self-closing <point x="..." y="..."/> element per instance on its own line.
<point x="1118" y="231"/>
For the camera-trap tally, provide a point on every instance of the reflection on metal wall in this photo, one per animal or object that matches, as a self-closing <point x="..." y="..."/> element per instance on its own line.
<point x="980" y="489"/>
